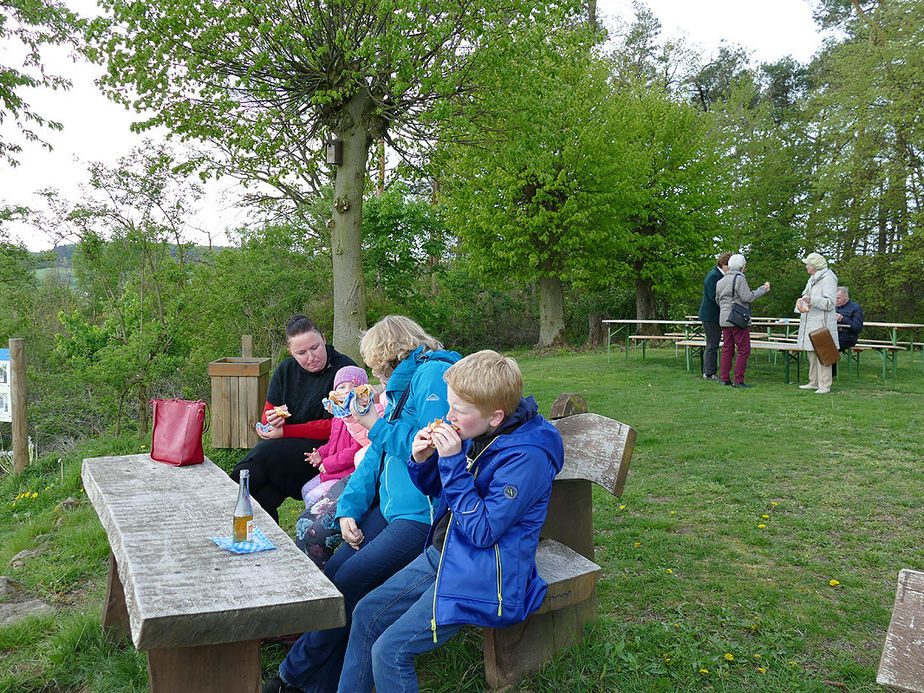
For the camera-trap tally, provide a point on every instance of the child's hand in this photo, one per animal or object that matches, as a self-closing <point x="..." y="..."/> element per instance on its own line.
<point x="351" y="534"/>
<point x="321" y="468"/>
<point x="313" y="458"/>
<point x="422" y="445"/>
<point x="446" y="440"/>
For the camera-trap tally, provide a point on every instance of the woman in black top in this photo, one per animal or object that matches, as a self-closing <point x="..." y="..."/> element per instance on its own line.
<point x="277" y="465"/>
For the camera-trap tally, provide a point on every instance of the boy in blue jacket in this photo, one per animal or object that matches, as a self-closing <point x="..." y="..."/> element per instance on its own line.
<point x="492" y="469"/>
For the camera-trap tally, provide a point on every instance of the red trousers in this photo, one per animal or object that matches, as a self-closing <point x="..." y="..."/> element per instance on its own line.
<point x="735" y="338"/>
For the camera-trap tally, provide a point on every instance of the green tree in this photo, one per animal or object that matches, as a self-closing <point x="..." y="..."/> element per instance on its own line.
<point x="26" y="27"/>
<point x="674" y="213"/>
<point x="534" y="196"/>
<point x="867" y="115"/>
<point x="265" y="80"/>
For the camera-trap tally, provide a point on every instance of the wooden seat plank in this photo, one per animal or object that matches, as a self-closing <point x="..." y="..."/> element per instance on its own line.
<point x="902" y="662"/>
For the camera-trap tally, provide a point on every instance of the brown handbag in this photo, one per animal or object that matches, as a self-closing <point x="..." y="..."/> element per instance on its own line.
<point x="824" y="346"/>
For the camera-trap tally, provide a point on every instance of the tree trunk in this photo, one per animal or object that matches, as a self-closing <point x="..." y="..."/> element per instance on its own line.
<point x="595" y="330"/>
<point x="346" y="233"/>
<point x="645" y="305"/>
<point x="551" y="313"/>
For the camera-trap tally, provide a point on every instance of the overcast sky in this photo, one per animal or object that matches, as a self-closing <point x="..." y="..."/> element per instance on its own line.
<point x="96" y="129"/>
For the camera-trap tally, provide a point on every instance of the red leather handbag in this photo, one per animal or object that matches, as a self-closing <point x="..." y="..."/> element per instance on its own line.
<point x="178" y="428"/>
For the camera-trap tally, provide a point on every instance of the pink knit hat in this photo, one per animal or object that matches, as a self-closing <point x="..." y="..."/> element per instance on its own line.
<point x="351" y="374"/>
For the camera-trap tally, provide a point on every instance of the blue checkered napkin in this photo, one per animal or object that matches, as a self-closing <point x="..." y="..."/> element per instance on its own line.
<point x="341" y="412"/>
<point x="336" y="410"/>
<point x="259" y="543"/>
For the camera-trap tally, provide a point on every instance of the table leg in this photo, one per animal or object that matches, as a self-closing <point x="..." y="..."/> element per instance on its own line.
<point x="115" y="614"/>
<point x="232" y="667"/>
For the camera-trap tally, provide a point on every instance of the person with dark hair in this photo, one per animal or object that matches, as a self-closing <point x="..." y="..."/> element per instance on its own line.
<point x="709" y="314"/>
<point x="294" y="419"/>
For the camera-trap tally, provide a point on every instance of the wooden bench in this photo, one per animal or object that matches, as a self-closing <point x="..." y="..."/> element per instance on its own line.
<point x="597" y="451"/>
<point x="198" y="611"/>
<point x="643" y="339"/>
<point x="902" y="662"/>
<point x="788" y="349"/>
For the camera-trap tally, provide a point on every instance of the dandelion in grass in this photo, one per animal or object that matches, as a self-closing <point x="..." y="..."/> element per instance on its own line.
<point x="673" y="512"/>
<point x="637" y="544"/>
<point x="773" y="503"/>
<point x="757" y="656"/>
<point x="622" y="507"/>
<point x="35" y="495"/>
<point x="729" y="656"/>
<point x="761" y="670"/>
<point x="833" y="583"/>
<point x="766" y="517"/>
<point x="670" y="572"/>
<point x="703" y="671"/>
<point x="761" y="526"/>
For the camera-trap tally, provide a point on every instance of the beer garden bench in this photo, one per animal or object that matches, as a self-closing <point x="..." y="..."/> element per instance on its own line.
<point x="597" y="451"/>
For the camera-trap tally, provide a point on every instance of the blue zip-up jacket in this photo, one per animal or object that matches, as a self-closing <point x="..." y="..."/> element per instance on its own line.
<point x="487" y="574"/>
<point x="422" y="372"/>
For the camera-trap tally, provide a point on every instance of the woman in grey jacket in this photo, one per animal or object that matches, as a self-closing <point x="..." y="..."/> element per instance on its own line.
<point x="816" y="307"/>
<point x="733" y="288"/>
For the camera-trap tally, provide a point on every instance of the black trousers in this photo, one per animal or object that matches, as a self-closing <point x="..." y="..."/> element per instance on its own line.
<point x="711" y="353"/>
<point x="278" y="470"/>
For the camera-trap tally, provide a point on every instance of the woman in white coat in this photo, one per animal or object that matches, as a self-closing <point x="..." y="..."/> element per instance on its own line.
<point x="816" y="309"/>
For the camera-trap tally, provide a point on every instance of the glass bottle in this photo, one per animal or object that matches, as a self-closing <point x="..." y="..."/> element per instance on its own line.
<point x="243" y="511"/>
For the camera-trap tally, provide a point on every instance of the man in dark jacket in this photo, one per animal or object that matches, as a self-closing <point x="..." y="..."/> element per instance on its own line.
<point x="849" y="319"/>
<point x="709" y="314"/>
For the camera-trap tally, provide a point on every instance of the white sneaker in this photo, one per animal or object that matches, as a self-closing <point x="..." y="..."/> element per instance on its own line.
<point x="808" y="386"/>
<point x="822" y="390"/>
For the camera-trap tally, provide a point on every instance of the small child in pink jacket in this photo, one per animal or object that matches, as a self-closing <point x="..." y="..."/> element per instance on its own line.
<point x="316" y="531"/>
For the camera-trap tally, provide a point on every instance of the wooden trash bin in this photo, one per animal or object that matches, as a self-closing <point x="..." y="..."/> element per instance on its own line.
<point x="238" y="394"/>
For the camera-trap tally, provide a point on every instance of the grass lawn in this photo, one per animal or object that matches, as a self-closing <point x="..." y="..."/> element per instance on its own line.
<point x="756" y="547"/>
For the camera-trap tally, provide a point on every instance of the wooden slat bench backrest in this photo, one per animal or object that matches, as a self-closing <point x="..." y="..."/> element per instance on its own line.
<point x="597" y="450"/>
<point x="902" y="662"/>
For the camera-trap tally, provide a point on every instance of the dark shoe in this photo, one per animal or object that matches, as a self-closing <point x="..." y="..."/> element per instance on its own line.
<point x="741" y="385"/>
<point x="726" y="382"/>
<point x="710" y="377"/>
<point x="277" y="685"/>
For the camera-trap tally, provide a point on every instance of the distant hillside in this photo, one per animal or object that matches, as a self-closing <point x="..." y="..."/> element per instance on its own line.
<point x="65" y="253"/>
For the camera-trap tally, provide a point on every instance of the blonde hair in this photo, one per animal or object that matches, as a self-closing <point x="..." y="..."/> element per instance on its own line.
<point x="389" y="341"/>
<point x="487" y="380"/>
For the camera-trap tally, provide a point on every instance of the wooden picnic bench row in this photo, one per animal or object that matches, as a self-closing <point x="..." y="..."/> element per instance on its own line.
<point x="200" y="612"/>
<point x="786" y="347"/>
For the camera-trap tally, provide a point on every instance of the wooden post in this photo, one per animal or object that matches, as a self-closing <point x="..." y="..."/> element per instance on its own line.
<point x="247" y="346"/>
<point x="18" y="404"/>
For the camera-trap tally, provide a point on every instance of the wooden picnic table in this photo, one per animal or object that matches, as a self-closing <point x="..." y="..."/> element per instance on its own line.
<point x="198" y="610"/>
